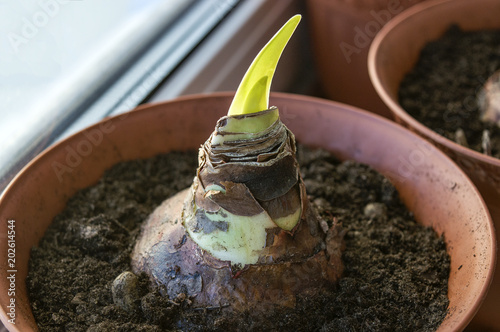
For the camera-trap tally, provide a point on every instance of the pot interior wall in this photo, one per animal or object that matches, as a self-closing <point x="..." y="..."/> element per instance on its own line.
<point x="432" y="186"/>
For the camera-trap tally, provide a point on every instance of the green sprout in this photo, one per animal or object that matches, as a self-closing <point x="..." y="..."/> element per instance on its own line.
<point x="252" y="95"/>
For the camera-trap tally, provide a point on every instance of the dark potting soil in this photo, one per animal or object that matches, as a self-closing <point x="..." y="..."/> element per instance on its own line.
<point x="441" y="90"/>
<point x="396" y="271"/>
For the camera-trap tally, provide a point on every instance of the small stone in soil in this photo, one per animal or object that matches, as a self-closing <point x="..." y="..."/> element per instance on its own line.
<point x="125" y="291"/>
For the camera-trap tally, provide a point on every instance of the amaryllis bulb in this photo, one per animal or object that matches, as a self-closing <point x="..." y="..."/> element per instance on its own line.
<point x="243" y="236"/>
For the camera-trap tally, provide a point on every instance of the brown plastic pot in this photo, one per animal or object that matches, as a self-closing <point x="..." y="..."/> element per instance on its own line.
<point x="430" y="184"/>
<point x="341" y="32"/>
<point x="394" y="53"/>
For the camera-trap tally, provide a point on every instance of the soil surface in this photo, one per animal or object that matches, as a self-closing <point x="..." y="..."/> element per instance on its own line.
<point x="396" y="271"/>
<point x="442" y="89"/>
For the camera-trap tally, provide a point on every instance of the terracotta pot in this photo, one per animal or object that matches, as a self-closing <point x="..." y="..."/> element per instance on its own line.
<point x="430" y="184"/>
<point x="341" y="32"/>
<point x="394" y="53"/>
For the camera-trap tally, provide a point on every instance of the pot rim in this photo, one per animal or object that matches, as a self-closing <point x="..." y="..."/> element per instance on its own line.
<point x="280" y="95"/>
<point x="299" y="98"/>
<point x="392" y="103"/>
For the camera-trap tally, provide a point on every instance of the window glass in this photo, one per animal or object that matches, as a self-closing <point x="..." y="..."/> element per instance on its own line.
<point x="57" y="54"/>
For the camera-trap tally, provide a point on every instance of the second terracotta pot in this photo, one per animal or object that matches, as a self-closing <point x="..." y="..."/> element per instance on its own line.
<point x="342" y="32"/>
<point x="394" y="53"/>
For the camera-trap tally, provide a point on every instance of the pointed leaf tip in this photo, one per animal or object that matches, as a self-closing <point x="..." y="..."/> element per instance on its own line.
<point x="252" y="95"/>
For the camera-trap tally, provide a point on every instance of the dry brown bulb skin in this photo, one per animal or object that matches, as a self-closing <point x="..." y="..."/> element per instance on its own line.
<point x="247" y="188"/>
